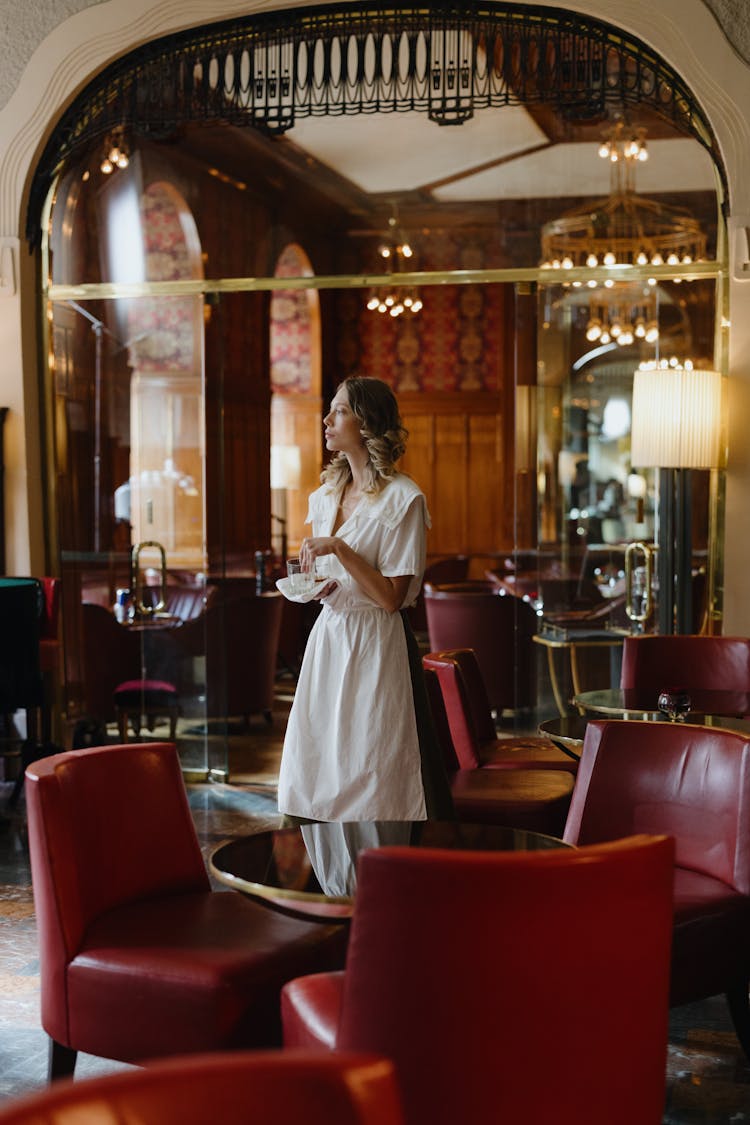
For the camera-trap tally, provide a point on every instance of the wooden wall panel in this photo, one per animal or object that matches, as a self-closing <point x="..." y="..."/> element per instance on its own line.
<point x="486" y="511"/>
<point x="456" y="455"/>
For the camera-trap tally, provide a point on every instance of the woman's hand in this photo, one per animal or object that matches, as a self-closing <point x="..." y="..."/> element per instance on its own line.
<point x="326" y="590"/>
<point x="388" y="593"/>
<point x="316" y="547"/>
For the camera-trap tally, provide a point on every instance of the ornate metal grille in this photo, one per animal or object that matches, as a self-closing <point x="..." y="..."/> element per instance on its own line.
<point x="444" y="59"/>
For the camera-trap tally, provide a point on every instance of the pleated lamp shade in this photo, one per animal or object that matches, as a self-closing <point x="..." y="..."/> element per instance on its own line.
<point x="676" y="419"/>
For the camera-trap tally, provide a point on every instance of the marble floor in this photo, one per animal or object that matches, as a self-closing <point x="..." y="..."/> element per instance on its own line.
<point x="708" y="1077"/>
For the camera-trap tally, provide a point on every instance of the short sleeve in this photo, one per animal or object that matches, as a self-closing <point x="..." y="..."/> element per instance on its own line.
<point x="403" y="547"/>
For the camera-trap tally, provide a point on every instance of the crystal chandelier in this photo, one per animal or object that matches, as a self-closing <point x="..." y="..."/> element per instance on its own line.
<point x="395" y="251"/>
<point x="624" y="229"/>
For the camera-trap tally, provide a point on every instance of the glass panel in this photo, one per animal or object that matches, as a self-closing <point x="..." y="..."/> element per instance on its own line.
<point x="594" y="504"/>
<point x="254" y="266"/>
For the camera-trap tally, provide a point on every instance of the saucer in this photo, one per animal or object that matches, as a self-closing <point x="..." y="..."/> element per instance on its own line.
<point x="285" y="586"/>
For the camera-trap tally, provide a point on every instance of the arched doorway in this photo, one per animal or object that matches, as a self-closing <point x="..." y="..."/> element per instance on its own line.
<point x="458" y="367"/>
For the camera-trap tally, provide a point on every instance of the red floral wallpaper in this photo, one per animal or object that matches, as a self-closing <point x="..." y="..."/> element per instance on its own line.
<point x="290" y="328"/>
<point x="163" y="329"/>
<point x="453" y="344"/>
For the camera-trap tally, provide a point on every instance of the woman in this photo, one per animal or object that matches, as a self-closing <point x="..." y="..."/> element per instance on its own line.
<point x="354" y="759"/>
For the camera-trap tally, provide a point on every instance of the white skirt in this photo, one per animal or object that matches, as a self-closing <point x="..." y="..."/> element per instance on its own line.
<point x="351" y="750"/>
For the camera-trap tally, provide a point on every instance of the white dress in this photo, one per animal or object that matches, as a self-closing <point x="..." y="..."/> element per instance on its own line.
<point x="351" y="751"/>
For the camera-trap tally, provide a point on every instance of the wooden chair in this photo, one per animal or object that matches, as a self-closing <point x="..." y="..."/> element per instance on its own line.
<point x="519" y="987"/>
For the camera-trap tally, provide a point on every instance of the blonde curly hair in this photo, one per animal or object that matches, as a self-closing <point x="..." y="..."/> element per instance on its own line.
<point x="374" y="405"/>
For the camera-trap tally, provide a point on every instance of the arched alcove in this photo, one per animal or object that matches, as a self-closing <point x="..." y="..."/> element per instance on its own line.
<point x="296" y="415"/>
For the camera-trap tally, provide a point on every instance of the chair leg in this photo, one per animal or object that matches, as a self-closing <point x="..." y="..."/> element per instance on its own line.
<point x="122" y="724"/>
<point x="739" y="1009"/>
<point x="62" y="1061"/>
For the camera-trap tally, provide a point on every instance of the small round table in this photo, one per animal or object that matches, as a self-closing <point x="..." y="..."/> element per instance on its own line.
<point x="637" y="704"/>
<point x="273" y="866"/>
<point x="566" y="732"/>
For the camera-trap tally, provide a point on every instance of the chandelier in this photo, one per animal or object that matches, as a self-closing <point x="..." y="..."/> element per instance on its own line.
<point x="623" y="229"/>
<point x="115" y="153"/>
<point x="395" y="251"/>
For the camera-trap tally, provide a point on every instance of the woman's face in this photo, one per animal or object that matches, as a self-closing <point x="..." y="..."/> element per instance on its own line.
<point x="342" y="425"/>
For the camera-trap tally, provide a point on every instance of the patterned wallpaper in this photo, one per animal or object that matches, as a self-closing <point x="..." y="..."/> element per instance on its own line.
<point x="163" y="329"/>
<point x="290" y="327"/>
<point x="453" y="343"/>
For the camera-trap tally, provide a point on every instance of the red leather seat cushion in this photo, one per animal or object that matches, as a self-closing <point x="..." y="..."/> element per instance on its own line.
<point x="535" y="799"/>
<point x="145" y="685"/>
<point x="310" y="1010"/>
<point x="217" y="962"/>
<point x="709" y="916"/>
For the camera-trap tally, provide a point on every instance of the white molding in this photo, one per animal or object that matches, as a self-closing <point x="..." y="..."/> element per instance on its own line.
<point x="684" y="32"/>
<point x="8" y="266"/>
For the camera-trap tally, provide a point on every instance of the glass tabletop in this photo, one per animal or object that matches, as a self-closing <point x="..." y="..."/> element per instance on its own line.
<point x="274" y="867"/>
<point x="636" y="703"/>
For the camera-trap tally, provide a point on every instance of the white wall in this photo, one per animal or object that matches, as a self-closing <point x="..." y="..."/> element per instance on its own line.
<point x="61" y="54"/>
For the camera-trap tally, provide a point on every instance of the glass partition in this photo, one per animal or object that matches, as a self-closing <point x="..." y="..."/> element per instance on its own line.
<point x="206" y="297"/>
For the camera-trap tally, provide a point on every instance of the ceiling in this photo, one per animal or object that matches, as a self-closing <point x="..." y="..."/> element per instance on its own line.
<point x="498" y="154"/>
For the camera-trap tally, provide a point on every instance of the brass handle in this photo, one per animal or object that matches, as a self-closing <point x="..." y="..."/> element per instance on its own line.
<point x="140" y="605"/>
<point x="639" y="554"/>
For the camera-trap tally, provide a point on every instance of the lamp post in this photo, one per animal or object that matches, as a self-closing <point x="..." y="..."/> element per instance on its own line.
<point x="676" y="428"/>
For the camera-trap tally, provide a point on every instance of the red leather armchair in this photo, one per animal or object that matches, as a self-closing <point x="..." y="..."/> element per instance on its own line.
<point x="241" y="1088"/>
<point x="692" y="783"/>
<point x="472" y="726"/>
<point x="452" y="568"/>
<point x="485" y="978"/>
<point x="239" y="634"/>
<point x="139" y="958"/>
<point x="703" y="665"/>
<point x="498" y="628"/>
<point x="535" y="799"/>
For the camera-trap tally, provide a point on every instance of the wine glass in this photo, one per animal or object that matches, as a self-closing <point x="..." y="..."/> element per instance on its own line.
<point x="675" y="703"/>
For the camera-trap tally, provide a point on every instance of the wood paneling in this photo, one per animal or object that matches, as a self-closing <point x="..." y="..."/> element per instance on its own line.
<point x="455" y="453"/>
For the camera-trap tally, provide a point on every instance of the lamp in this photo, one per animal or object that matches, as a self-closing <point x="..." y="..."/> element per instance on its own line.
<point x="622" y="229"/>
<point x="285" y="474"/>
<point x="395" y="252"/>
<point x="115" y="153"/>
<point x="676" y="428"/>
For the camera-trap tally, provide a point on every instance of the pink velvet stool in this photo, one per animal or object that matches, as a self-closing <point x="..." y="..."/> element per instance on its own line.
<point x="136" y="699"/>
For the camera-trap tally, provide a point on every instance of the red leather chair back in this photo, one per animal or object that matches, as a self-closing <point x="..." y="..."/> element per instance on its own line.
<point x="651" y="663"/>
<point x="690" y="782"/>
<point x="499" y="630"/>
<point x="466" y="705"/>
<point x="486" y="978"/>
<point x="241" y="1088"/>
<point x="440" y="719"/>
<point x="239" y="634"/>
<point x="453" y="568"/>
<point x="89" y="852"/>
<point x="49" y="621"/>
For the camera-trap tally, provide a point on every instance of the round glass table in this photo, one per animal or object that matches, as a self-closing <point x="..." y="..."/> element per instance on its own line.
<point x="638" y="704"/>
<point x="274" y="867"/>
